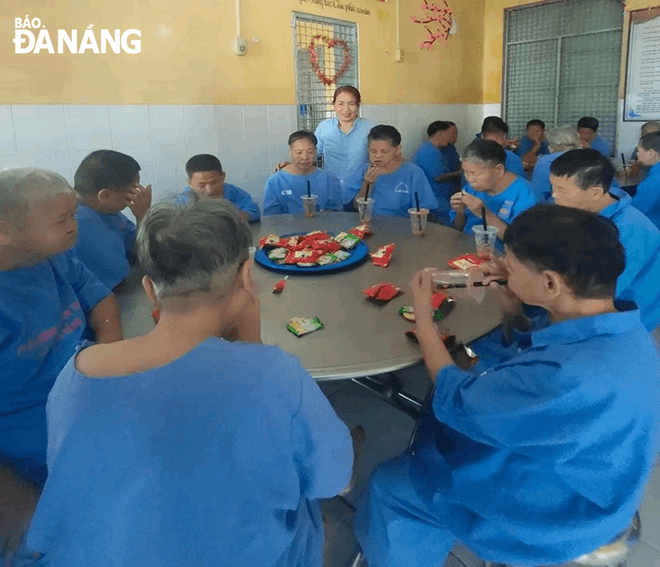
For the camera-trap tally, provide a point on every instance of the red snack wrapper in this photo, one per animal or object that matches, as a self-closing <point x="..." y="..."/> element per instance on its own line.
<point x="317" y="235"/>
<point x="466" y="261"/>
<point x="290" y="243"/>
<point x="327" y="246"/>
<point x="382" y="256"/>
<point x="279" y="286"/>
<point x="361" y="231"/>
<point x="155" y="314"/>
<point x="270" y="240"/>
<point x="307" y="256"/>
<point x="382" y="292"/>
<point x="438" y="299"/>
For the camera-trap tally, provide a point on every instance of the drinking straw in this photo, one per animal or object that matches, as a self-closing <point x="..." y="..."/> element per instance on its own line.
<point x="417" y="201"/>
<point x="366" y="193"/>
<point x="419" y="216"/>
<point x="483" y="217"/>
<point x="475" y="284"/>
<point x="623" y="159"/>
<point x="309" y="189"/>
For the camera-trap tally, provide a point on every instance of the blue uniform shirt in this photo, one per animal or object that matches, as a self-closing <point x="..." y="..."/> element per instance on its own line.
<point x="514" y="164"/>
<point x="216" y="458"/>
<point x="284" y="190"/>
<point x="647" y="198"/>
<point x="601" y="146"/>
<point x="394" y="193"/>
<point x="545" y="457"/>
<point x="343" y="153"/>
<point x="541" y="177"/>
<point x="42" y="318"/>
<point x="452" y="158"/>
<point x="433" y="163"/>
<point x="233" y="194"/>
<point x="507" y="205"/>
<point x="526" y="146"/>
<point x="641" y="241"/>
<point x="106" y="244"/>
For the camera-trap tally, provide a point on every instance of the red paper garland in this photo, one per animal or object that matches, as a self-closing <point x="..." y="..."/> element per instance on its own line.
<point x="313" y="58"/>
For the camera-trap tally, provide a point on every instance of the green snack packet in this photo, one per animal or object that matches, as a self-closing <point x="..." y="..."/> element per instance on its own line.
<point x="277" y="254"/>
<point x="342" y="255"/>
<point x="327" y="259"/>
<point x="349" y="241"/>
<point x="300" y="326"/>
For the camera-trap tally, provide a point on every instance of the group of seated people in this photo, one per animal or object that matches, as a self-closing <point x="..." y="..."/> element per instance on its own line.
<point x="197" y="445"/>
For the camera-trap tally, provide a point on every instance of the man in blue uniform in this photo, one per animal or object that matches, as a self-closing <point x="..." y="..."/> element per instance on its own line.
<point x="544" y="457"/>
<point x="588" y="129"/>
<point x="583" y="179"/>
<point x="393" y="182"/>
<point x="647" y="198"/>
<point x="490" y="184"/>
<point x="207" y="179"/>
<point x="533" y="144"/>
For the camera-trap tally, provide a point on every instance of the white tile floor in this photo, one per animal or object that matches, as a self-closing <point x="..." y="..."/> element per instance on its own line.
<point x="387" y="434"/>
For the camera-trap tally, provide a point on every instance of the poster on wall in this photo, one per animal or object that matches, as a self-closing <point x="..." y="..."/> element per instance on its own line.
<point x="642" y="101"/>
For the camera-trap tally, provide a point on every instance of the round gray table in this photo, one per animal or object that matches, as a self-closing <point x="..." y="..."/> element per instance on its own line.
<point x="359" y="338"/>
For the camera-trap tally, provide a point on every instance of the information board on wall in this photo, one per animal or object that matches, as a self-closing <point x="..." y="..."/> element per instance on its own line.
<point x="642" y="101"/>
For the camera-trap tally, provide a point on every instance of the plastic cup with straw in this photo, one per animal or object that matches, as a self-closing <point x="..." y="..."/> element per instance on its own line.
<point x="485" y="237"/>
<point x="365" y="206"/>
<point x="309" y="201"/>
<point x="418" y="218"/>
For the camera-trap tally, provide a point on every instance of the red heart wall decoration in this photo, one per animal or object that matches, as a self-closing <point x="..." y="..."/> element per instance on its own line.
<point x="331" y="43"/>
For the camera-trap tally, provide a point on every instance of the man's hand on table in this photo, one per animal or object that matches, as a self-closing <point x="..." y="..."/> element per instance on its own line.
<point x="433" y="347"/>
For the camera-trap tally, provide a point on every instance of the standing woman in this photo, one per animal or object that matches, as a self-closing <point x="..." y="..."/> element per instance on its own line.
<point x="342" y="141"/>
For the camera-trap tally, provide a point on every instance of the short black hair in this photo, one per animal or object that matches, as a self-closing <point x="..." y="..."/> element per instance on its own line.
<point x="485" y="151"/>
<point x="202" y="162"/>
<point x="581" y="246"/>
<point x="385" y="133"/>
<point x="650" y="141"/>
<point x="588" y="122"/>
<point x="587" y="167"/>
<point x="437" y="126"/>
<point x="104" y="169"/>
<point x="303" y="135"/>
<point x="536" y="122"/>
<point x="494" y="124"/>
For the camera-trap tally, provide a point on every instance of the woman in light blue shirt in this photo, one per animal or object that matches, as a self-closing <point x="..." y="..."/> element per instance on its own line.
<point x="342" y="141"/>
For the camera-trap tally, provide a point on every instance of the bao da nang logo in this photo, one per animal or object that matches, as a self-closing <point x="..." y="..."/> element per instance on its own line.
<point x="31" y="36"/>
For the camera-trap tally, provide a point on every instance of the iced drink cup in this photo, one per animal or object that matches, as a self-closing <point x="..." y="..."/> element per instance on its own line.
<point x="418" y="221"/>
<point x="309" y="205"/>
<point x="365" y="208"/>
<point x="485" y="240"/>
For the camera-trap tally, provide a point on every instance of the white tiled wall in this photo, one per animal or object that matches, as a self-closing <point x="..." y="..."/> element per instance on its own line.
<point x="249" y="140"/>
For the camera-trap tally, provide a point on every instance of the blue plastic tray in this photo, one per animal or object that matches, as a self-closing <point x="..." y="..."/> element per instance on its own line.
<point x="358" y="253"/>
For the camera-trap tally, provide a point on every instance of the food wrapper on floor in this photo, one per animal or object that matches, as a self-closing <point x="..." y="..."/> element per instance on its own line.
<point x="300" y="326"/>
<point x="382" y="256"/>
<point x="466" y="261"/>
<point x="382" y="292"/>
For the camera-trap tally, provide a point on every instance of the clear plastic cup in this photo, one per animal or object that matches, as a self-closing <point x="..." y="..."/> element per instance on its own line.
<point x="485" y="240"/>
<point x="309" y="205"/>
<point x="459" y="284"/>
<point x="418" y="221"/>
<point x="365" y="208"/>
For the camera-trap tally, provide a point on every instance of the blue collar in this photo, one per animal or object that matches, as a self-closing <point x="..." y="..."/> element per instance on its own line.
<point x="575" y="330"/>
<point x="623" y="200"/>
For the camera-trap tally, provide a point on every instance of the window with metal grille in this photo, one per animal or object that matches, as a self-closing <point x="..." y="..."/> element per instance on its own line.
<point x="562" y="62"/>
<point x="314" y="99"/>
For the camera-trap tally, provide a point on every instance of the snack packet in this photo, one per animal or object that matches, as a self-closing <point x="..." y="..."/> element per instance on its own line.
<point x="466" y="261"/>
<point x="327" y="259"/>
<point x="277" y="254"/>
<point x="300" y="326"/>
<point x="279" y="286"/>
<point x="307" y="256"/>
<point x="382" y="292"/>
<point x="327" y="245"/>
<point x="347" y="241"/>
<point x="361" y="231"/>
<point x="342" y="255"/>
<point x="442" y="306"/>
<point x="382" y="256"/>
<point x="270" y="240"/>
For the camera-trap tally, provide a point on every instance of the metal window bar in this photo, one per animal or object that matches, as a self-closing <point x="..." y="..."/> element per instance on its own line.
<point x="313" y="98"/>
<point x="562" y="62"/>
